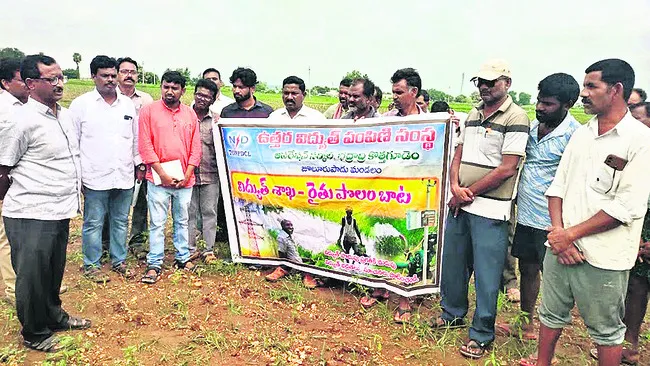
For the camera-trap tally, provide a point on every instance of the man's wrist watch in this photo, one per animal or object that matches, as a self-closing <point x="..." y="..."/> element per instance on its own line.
<point x="142" y="167"/>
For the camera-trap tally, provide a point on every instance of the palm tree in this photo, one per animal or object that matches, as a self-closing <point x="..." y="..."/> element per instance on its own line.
<point x="76" y="57"/>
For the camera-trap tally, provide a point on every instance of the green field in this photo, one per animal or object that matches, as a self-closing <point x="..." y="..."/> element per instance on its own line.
<point x="73" y="88"/>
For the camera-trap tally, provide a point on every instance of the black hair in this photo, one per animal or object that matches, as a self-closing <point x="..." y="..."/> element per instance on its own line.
<point x="8" y="68"/>
<point x="561" y="86"/>
<point x="246" y="75"/>
<point x="29" y="66"/>
<point x="346" y="82"/>
<point x="641" y="93"/>
<point x="410" y="75"/>
<point x="425" y="95"/>
<point x="615" y="71"/>
<point x="121" y="60"/>
<point x="439" y="106"/>
<point x="378" y="95"/>
<point x="102" y="62"/>
<point x="207" y="84"/>
<point x="211" y="69"/>
<point x="368" y="86"/>
<point x="294" y="80"/>
<point x="173" y="77"/>
<point x="642" y="104"/>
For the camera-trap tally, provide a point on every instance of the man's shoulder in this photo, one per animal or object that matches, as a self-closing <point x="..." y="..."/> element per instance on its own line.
<point x="146" y="97"/>
<point x="230" y="107"/>
<point x="266" y="106"/>
<point x="278" y="112"/>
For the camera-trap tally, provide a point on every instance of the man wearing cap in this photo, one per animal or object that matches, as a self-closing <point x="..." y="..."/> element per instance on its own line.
<point x="482" y="178"/>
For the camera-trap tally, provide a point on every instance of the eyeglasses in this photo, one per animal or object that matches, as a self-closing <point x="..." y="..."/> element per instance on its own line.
<point x="203" y="97"/>
<point x="128" y="72"/>
<point x="489" y="83"/>
<point x="54" y="81"/>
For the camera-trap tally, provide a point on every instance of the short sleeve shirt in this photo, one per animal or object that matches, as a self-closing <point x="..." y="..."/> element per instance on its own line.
<point x="259" y="110"/>
<point x="288" y="246"/>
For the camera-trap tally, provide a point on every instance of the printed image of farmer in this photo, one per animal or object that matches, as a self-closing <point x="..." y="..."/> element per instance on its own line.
<point x="350" y="233"/>
<point x="287" y="249"/>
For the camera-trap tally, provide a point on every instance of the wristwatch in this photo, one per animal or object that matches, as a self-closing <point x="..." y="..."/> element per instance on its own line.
<point x="142" y="167"/>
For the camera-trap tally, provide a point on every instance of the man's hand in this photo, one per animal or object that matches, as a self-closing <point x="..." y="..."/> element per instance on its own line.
<point x="462" y="194"/>
<point x="571" y="256"/>
<point x="644" y="251"/>
<point x="455" y="204"/>
<point x="179" y="183"/>
<point x="167" y="181"/>
<point x="559" y="238"/>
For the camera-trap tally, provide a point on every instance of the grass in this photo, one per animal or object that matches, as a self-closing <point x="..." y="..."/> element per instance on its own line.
<point x="73" y="88"/>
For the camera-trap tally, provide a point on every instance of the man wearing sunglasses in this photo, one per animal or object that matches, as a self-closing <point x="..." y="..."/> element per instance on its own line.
<point x="40" y="149"/>
<point x="482" y="178"/>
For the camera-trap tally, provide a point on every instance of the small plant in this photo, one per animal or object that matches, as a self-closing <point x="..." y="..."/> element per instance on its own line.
<point x="215" y="341"/>
<point x="73" y="352"/>
<point x="233" y="307"/>
<point x="389" y="246"/>
<point x="12" y="355"/>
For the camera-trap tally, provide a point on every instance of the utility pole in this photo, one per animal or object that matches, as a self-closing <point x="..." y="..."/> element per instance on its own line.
<point x="462" y="81"/>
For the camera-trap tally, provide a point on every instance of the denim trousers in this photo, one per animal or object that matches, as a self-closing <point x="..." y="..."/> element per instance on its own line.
<point x="158" y="201"/>
<point x="114" y="203"/>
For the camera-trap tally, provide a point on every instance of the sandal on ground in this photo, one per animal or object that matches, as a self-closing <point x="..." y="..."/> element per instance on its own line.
<point x="508" y="331"/>
<point x="368" y="301"/>
<point x="532" y="360"/>
<point x="402" y="316"/>
<point x="209" y="258"/>
<point x="440" y="322"/>
<point x="195" y="255"/>
<point x="185" y="266"/>
<point x="50" y="344"/>
<point x="73" y="323"/>
<point x="473" y="349"/>
<point x="513" y="295"/>
<point x="277" y="274"/>
<point x="625" y="360"/>
<point x="123" y="270"/>
<point x="151" y="276"/>
<point x="309" y="281"/>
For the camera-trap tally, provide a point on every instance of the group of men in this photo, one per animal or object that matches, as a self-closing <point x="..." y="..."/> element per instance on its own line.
<point x="577" y="190"/>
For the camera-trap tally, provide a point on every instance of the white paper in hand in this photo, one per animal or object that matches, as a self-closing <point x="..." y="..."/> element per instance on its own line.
<point x="173" y="168"/>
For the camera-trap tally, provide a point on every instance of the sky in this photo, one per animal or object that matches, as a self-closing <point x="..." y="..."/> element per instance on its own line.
<point x="321" y="41"/>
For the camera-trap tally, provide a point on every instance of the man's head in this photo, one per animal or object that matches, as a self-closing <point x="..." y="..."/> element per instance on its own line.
<point x="348" y="210"/>
<point x="172" y="87"/>
<point x="10" y="79"/>
<point x="377" y="98"/>
<point x="293" y="93"/>
<point x="205" y="92"/>
<point x="344" y="89"/>
<point x="608" y="84"/>
<point x="406" y="88"/>
<point x="243" y="82"/>
<point x="493" y="81"/>
<point x="103" y="70"/>
<point x="637" y="96"/>
<point x="423" y="100"/>
<point x="439" y="106"/>
<point x="557" y="94"/>
<point x="127" y="72"/>
<point x="214" y="75"/>
<point x="361" y="95"/>
<point x="43" y="78"/>
<point x="641" y="112"/>
<point x="287" y="226"/>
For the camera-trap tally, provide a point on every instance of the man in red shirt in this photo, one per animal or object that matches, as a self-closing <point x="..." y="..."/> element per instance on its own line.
<point x="170" y="146"/>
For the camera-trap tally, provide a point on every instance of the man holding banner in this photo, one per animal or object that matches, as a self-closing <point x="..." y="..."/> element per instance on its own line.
<point x="482" y="178"/>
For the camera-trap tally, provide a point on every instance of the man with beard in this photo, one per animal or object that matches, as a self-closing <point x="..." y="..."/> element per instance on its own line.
<point x="206" y="191"/>
<point x="339" y="109"/>
<point x="360" y="98"/>
<point x="169" y="133"/>
<point x="638" y="96"/>
<point x="597" y="202"/>
<point x="107" y="135"/>
<point x="287" y="249"/>
<point x="221" y="101"/>
<point x="246" y="105"/>
<point x="293" y="96"/>
<point x="641" y="112"/>
<point x="39" y="148"/>
<point x="406" y="88"/>
<point x="483" y="174"/>
<point x="548" y="137"/>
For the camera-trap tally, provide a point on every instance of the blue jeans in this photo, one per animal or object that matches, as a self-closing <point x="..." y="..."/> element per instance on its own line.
<point x="115" y="203"/>
<point x="158" y="200"/>
<point x="481" y="242"/>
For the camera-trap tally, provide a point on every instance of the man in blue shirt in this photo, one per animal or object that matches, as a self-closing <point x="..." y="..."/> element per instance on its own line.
<point x="549" y="134"/>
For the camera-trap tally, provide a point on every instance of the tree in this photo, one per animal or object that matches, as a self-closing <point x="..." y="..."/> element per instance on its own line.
<point x="513" y="95"/>
<point x="436" y="95"/>
<point x="462" y="99"/>
<point x="319" y="90"/>
<point x="355" y="74"/>
<point x="76" y="57"/>
<point x="475" y="97"/>
<point x="524" y="98"/>
<point x="11" y="53"/>
<point x="71" y="73"/>
<point x="262" y="87"/>
<point x="151" y="78"/>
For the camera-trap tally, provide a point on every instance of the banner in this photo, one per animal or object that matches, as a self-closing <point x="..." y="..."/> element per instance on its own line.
<point x="359" y="202"/>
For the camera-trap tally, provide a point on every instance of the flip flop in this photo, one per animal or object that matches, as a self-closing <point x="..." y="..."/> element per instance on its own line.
<point x="439" y="323"/>
<point x="473" y="349"/>
<point x="368" y="301"/>
<point x="50" y="345"/>
<point x="149" y="278"/>
<point x="73" y="323"/>
<point x="506" y="330"/>
<point x="402" y="316"/>
<point x="624" y="360"/>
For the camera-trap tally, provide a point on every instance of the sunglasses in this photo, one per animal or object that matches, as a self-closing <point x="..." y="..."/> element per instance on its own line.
<point x="489" y="83"/>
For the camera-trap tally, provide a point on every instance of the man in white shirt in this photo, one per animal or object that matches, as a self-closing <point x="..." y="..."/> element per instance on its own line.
<point x="40" y="150"/>
<point x="107" y="131"/>
<point x="13" y="93"/>
<point x="222" y="100"/>
<point x="597" y="204"/>
<point x="293" y="96"/>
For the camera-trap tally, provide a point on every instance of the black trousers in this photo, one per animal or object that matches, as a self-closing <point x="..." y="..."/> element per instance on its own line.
<point x="138" y="223"/>
<point x="38" y="257"/>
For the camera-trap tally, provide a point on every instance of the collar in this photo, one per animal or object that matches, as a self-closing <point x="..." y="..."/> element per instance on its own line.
<point x="169" y="109"/>
<point x="135" y="92"/>
<point x="43" y="109"/>
<point x="256" y="105"/>
<point x="624" y="127"/>
<point x="560" y="130"/>
<point x="97" y="96"/>
<point x="301" y="112"/>
<point x="502" y="108"/>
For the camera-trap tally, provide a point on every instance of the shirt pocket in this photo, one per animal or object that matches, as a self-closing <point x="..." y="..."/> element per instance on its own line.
<point x="605" y="180"/>
<point x="491" y="142"/>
